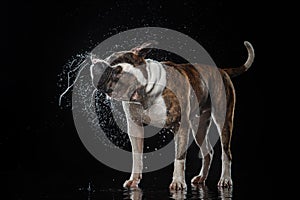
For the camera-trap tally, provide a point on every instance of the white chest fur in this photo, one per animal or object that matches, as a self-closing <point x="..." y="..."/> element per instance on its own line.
<point x="156" y="83"/>
<point x="157" y="112"/>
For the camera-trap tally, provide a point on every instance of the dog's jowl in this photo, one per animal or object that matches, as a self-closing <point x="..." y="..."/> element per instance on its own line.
<point x="175" y="96"/>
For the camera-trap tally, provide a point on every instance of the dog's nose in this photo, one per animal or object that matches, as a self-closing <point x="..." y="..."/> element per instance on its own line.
<point x="109" y="91"/>
<point x="101" y="88"/>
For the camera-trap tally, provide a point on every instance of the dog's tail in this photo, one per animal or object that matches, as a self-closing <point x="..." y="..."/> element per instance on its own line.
<point x="232" y="72"/>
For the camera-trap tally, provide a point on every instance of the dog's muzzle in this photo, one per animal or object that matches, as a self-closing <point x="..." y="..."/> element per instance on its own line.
<point x="103" y="81"/>
<point x="100" y="73"/>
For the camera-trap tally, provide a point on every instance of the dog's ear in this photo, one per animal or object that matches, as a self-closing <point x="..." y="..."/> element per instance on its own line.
<point x="143" y="49"/>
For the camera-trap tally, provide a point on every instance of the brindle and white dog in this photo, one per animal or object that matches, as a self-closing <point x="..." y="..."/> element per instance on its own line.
<point x="143" y="86"/>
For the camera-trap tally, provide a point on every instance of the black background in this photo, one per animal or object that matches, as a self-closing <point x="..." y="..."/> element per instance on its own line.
<point x="41" y="153"/>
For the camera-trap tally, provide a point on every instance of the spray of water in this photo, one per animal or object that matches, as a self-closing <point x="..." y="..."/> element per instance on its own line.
<point x="75" y="66"/>
<point x="97" y="109"/>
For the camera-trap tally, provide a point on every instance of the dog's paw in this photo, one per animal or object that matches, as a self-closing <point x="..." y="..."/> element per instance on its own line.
<point x="225" y="182"/>
<point x="177" y="185"/>
<point x="131" y="184"/>
<point x="198" y="180"/>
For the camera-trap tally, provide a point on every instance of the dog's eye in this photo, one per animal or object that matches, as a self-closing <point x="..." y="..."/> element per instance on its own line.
<point x="118" y="69"/>
<point x="116" y="77"/>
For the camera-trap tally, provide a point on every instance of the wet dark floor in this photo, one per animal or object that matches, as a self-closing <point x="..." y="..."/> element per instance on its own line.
<point x="57" y="186"/>
<point x="89" y="193"/>
<point x="199" y="192"/>
<point x="93" y="181"/>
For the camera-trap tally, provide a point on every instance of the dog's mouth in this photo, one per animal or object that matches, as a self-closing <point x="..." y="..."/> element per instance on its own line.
<point x="117" y="96"/>
<point x="134" y="94"/>
<point x="137" y="94"/>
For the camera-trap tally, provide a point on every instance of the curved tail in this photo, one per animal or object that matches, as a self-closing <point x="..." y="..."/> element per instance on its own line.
<point x="232" y="72"/>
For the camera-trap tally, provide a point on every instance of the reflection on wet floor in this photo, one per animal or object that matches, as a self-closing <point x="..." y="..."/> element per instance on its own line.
<point x="134" y="194"/>
<point x="62" y="187"/>
<point x="193" y="192"/>
<point x="196" y="192"/>
<point x="91" y="191"/>
<point x="203" y="192"/>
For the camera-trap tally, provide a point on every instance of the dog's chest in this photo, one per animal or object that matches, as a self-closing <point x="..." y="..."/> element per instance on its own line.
<point x="157" y="112"/>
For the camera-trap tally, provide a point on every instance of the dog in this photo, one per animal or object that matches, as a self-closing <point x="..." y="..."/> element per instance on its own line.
<point x="160" y="94"/>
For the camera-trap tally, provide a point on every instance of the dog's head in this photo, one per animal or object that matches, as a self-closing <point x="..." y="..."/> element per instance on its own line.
<point x="122" y="76"/>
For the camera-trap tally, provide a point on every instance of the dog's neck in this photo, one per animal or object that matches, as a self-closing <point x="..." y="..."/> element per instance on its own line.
<point x="156" y="78"/>
<point x="156" y="83"/>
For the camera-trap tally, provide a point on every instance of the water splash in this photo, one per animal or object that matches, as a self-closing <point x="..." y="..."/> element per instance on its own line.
<point x="94" y="106"/>
<point x="99" y="111"/>
<point x="75" y="65"/>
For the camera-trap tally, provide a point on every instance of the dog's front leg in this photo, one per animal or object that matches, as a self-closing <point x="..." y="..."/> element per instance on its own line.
<point x="137" y="144"/>
<point x="181" y="141"/>
<point x="136" y="135"/>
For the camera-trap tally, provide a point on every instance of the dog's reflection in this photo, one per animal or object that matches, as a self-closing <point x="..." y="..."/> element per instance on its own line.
<point x="201" y="191"/>
<point x="198" y="191"/>
<point x="225" y="193"/>
<point x="134" y="193"/>
<point x="178" y="194"/>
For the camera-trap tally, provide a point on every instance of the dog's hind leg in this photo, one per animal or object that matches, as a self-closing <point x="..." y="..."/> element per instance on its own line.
<point x="201" y="139"/>
<point x="225" y="131"/>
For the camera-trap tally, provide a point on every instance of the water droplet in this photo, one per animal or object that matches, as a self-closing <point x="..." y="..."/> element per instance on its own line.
<point x="89" y="187"/>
